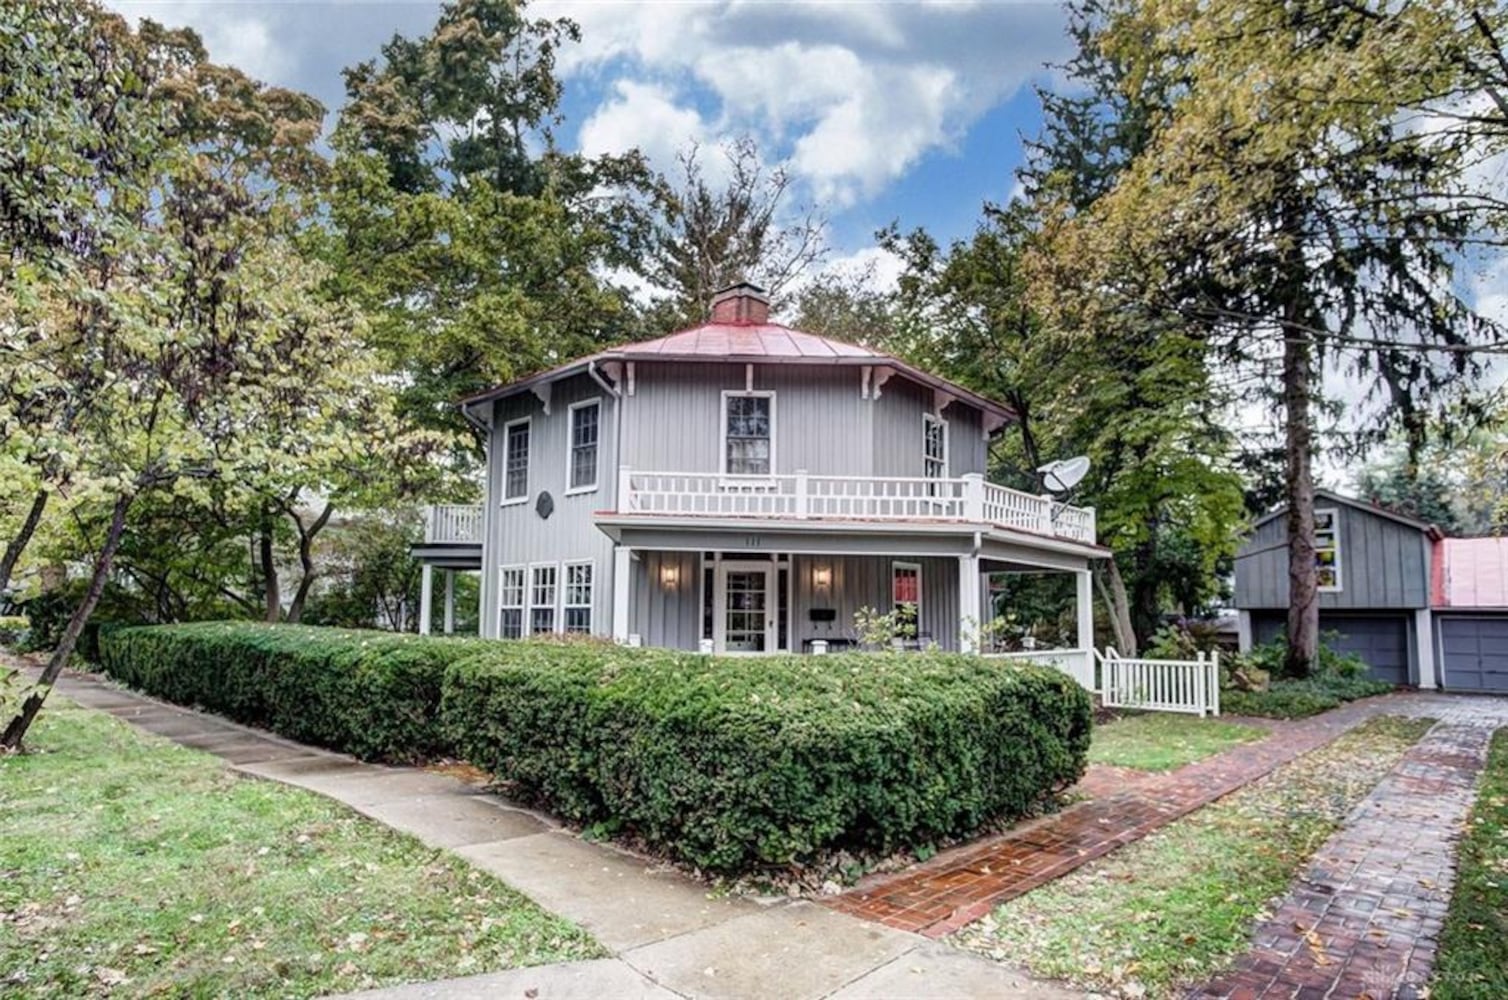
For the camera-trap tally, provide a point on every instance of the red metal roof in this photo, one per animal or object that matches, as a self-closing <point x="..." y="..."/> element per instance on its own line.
<point x="1475" y="573"/>
<point x="740" y="340"/>
<point x="752" y="342"/>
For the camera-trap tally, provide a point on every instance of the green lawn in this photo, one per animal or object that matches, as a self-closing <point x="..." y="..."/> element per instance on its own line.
<point x="1473" y="959"/>
<point x="1161" y="741"/>
<point x="1174" y="907"/>
<point x="134" y="866"/>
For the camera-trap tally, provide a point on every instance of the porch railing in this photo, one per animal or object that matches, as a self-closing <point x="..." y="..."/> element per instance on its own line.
<point x="855" y="498"/>
<point x="1191" y="686"/>
<point x="453" y="524"/>
<point x="1076" y="663"/>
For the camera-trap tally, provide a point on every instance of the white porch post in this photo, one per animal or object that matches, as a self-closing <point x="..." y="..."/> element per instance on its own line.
<point x="450" y="601"/>
<point x="426" y="597"/>
<point x="969" y="604"/>
<point x="1084" y="607"/>
<point x="1424" y="639"/>
<point x="621" y="556"/>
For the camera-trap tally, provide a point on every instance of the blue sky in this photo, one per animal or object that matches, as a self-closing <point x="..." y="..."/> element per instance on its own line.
<point x="883" y="111"/>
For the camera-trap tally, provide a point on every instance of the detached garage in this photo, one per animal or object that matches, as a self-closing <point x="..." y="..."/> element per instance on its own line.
<point x="1471" y="614"/>
<point x="1374" y="572"/>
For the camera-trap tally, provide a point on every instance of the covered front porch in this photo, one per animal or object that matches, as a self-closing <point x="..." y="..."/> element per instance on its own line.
<point x="811" y="594"/>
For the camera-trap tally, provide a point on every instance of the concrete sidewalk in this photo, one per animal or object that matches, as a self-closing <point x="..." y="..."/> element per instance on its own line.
<point x="670" y="935"/>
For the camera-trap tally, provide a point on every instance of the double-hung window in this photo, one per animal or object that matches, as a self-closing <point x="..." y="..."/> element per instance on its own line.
<point x="542" y="581"/>
<point x="510" y="622"/>
<point x="578" y="597"/>
<point x="1327" y="549"/>
<point x="934" y="447"/>
<point x="516" y="461"/>
<point x="581" y="459"/>
<point x="748" y="433"/>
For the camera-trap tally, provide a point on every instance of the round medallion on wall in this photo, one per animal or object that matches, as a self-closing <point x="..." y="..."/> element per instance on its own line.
<point x="545" y="505"/>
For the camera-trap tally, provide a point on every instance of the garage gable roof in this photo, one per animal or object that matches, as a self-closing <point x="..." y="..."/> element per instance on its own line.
<point x="1330" y="496"/>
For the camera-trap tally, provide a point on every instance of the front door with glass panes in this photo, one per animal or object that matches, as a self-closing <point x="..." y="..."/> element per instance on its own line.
<point x="744" y="608"/>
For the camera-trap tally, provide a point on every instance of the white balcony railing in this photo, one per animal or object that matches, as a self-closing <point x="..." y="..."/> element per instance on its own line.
<point x="453" y="524"/>
<point x="851" y="498"/>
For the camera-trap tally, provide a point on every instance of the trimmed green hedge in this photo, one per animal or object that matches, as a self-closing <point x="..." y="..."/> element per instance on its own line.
<point x="372" y="694"/>
<point x="728" y="763"/>
<point x="735" y="763"/>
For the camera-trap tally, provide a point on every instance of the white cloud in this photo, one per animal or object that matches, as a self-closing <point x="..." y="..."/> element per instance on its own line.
<point x="643" y="116"/>
<point x="853" y="94"/>
<point x="234" y="35"/>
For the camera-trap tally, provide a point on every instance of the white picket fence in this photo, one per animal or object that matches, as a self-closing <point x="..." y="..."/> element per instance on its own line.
<point x="1191" y="686"/>
<point x="1076" y="663"/>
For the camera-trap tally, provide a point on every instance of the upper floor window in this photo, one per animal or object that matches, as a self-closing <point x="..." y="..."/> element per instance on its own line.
<point x="748" y="433"/>
<point x="934" y="447"/>
<point x="581" y="460"/>
<point x="516" y="461"/>
<point x="1327" y="549"/>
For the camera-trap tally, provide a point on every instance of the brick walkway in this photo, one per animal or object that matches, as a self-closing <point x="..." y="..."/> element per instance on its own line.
<point x="963" y="884"/>
<point x="1364" y="918"/>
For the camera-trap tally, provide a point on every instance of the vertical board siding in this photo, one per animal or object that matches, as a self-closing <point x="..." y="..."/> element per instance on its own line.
<point x="519" y="536"/>
<point x="661" y="616"/>
<point x="1384" y="563"/>
<point x="864" y="581"/>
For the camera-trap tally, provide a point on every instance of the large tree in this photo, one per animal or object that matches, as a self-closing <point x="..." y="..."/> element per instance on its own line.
<point x="164" y="324"/>
<point x="736" y="222"/>
<point x="479" y="250"/>
<point x="1297" y="202"/>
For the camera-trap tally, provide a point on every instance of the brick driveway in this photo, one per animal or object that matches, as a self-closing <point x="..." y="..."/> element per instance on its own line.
<point x="1365" y="916"/>
<point x="963" y="884"/>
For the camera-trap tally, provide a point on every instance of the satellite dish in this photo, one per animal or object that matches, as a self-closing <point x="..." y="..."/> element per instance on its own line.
<point x="1064" y="474"/>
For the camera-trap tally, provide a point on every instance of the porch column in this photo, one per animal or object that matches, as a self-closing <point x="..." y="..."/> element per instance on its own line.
<point x="426" y="597"/>
<point x="970" y="607"/>
<point x="1084" y="607"/>
<point x="622" y="555"/>
<point x="1424" y="639"/>
<point x="450" y="601"/>
<point x="1243" y="631"/>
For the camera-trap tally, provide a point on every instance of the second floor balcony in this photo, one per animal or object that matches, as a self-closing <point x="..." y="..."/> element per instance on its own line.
<point x="898" y="500"/>
<point x="893" y="499"/>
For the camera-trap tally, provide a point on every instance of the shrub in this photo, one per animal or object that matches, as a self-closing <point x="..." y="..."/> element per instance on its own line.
<point x="13" y="630"/>
<point x="731" y="763"/>
<point x="372" y="694"/>
<point x="1288" y="699"/>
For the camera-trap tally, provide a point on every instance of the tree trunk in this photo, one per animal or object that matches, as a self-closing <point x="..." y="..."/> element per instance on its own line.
<point x="272" y="597"/>
<point x="1114" y="596"/>
<point x="23" y="538"/>
<point x="15" y="731"/>
<point x="306" y="538"/>
<point x="1303" y="583"/>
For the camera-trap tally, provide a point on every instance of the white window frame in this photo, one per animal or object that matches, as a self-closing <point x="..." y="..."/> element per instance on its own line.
<point x="531" y="606"/>
<point x="570" y="447"/>
<point x="521" y="607"/>
<point x="917" y="568"/>
<point x="927" y="420"/>
<point x="528" y="422"/>
<point x="1334" y="532"/>
<point x="722" y="460"/>
<point x="591" y="595"/>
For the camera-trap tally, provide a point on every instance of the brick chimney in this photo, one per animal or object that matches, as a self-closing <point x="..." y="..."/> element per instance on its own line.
<point x="744" y="302"/>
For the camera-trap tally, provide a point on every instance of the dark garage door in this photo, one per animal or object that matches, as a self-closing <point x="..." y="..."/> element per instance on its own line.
<point x="1382" y="641"/>
<point x="1474" y="654"/>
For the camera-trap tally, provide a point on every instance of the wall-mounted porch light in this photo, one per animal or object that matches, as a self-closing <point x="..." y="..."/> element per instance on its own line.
<point x="670" y="575"/>
<point x="822" y="577"/>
